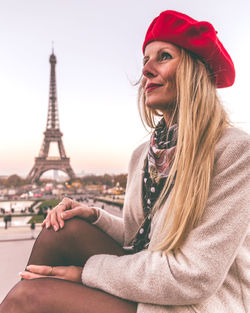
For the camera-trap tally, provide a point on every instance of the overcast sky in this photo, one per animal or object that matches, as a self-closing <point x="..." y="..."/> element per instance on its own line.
<point x="98" y="48"/>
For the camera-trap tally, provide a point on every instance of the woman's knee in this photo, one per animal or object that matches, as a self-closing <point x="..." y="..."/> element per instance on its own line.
<point x="77" y="226"/>
<point x="56" y="248"/>
<point x="74" y="224"/>
<point x="49" y="237"/>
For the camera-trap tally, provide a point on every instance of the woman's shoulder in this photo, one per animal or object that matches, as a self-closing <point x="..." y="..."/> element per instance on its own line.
<point x="138" y="156"/>
<point x="235" y="132"/>
<point x="233" y="136"/>
<point x="233" y="144"/>
<point x="140" y="149"/>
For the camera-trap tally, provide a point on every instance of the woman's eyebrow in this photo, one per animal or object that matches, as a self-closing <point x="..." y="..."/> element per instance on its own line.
<point x="167" y="48"/>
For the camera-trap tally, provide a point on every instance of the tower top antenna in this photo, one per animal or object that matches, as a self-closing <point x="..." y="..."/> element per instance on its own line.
<point x="52" y="44"/>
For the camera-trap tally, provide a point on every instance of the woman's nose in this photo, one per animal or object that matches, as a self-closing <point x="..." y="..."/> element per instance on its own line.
<point x="149" y="70"/>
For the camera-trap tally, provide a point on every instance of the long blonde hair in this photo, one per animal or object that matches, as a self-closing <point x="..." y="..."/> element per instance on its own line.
<point x="201" y="120"/>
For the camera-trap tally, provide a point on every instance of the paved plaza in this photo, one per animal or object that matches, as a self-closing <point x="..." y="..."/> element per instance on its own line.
<point x="13" y="257"/>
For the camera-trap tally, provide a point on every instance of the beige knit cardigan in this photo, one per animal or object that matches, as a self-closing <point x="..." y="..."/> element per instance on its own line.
<point x="211" y="271"/>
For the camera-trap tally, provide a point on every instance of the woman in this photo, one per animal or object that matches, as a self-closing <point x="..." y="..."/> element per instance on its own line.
<point x="183" y="243"/>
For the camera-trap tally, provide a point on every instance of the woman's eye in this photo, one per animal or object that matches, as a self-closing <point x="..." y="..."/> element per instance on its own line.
<point x="145" y="60"/>
<point x="166" y="56"/>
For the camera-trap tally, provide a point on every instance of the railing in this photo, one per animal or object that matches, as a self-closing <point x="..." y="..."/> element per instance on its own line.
<point x="51" y="158"/>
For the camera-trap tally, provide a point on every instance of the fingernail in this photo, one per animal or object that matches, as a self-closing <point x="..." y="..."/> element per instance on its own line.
<point x="20" y="274"/>
<point x="55" y="228"/>
<point x="61" y="225"/>
<point x="47" y="225"/>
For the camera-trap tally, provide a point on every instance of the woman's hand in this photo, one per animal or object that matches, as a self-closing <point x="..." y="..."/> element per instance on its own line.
<point x="72" y="273"/>
<point x="67" y="209"/>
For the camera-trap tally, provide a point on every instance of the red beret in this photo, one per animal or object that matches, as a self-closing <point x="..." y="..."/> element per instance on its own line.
<point x="197" y="37"/>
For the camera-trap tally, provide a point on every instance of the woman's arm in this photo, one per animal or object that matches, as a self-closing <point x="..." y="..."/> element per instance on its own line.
<point x="202" y="263"/>
<point x="111" y="225"/>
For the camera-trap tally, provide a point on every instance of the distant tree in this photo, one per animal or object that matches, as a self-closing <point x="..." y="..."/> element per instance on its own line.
<point x="14" y="181"/>
<point x="106" y="179"/>
<point x="122" y="179"/>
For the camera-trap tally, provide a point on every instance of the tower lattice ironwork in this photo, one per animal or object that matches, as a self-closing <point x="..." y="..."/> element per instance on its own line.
<point x="52" y="134"/>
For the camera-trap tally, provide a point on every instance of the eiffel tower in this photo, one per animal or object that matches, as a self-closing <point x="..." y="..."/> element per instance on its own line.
<point x="52" y="134"/>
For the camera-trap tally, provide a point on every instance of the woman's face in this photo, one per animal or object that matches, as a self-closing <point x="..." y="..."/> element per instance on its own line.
<point x="161" y="60"/>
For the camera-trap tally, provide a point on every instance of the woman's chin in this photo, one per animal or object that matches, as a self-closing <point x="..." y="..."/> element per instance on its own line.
<point x="152" y="105"/>
<point x="162" y="106"/>
<point x="155" y="106"/>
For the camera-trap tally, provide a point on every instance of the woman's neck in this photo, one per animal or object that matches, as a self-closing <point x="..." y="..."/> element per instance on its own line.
<point x="169" y="119"/>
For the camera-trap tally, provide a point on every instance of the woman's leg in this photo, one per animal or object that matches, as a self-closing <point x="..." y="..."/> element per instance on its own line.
<point x="72" y="245"/>
<point x="48" y="295"/>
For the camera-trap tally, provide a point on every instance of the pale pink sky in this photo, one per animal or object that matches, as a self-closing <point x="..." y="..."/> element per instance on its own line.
<point x="98" y="47"/>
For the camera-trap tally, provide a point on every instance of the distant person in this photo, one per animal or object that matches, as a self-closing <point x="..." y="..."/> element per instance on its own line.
<point x="9" y="219"/>
<point x="41" y="211"/>
<point x="6" y="221"/>
<point x="183" y="244"/>
<point x="32" y="228"/>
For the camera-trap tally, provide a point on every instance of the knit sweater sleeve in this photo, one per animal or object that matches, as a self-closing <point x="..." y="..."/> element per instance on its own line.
<point x="111" y="225"/>
<point x="202" y="263"/>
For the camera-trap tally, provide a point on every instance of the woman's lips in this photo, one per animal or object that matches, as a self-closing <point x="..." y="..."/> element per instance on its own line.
<point x="152" y="87"/>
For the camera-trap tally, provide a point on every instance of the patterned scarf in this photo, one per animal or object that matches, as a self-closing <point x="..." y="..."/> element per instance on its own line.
<point x="159" y="161"/>
<point x="162" y="150"/>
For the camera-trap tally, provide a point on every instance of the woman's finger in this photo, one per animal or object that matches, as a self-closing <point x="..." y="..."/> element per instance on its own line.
<point x="48" y="271"/>
<point x="29" y="275"/>
<point x="55" y="218"/>
<point x="78" y="211"/>
<point x="53" y="221"/>
<point x="41" y="269"/>
<point x="59" y="218"/>
<point x="47" y="220"/>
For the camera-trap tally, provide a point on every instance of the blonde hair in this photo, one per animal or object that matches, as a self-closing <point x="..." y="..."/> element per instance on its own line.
<point x="201" y="120"/>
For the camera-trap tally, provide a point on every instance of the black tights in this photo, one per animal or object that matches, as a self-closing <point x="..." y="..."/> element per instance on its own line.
<point x="72" y="245"/>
